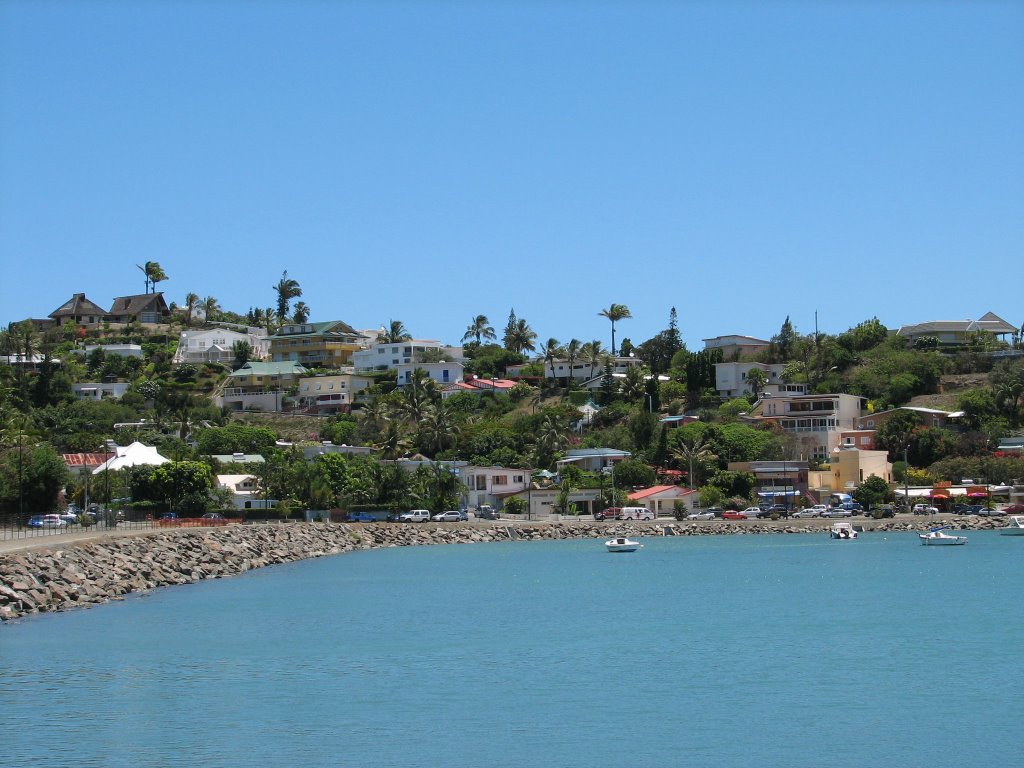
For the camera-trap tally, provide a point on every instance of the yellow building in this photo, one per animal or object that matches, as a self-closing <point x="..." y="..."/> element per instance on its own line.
<point x="315" y="345"/>
<point x="852" y="466"/>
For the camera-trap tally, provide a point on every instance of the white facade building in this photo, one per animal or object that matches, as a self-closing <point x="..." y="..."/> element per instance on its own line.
<point x="443" y="373"/>
<point x="815" y="421"/>
<point x="380" y="356"/>
<point x="731" y="380"/>
<point x="214" y="345"/>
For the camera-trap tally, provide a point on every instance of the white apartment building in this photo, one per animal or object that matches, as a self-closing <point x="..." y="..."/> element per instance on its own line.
<point x="443" y="373"/>
<point x="380" y="356"/>
<point x="330" y="393"/>
<point x="731" y="380"/>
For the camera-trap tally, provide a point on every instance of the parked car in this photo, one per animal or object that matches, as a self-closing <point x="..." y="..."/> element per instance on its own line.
<point x="46" y="521"/>
<point x="609" y="513"/>
<point x="924" y="509"/>
<point x="450" y="516"/>
<point x="853" y="506"/>
<point x="169" y="516"/>
<point x="782" y="509"/>
<point x="836" y="512"/>
<point x="69" y="516"/>
<point x="990" y="512"/>
<point x="734" y="514"/>
<point x="716" y="511"/>
<point x="635" y="513"/>
<point x="886" y="510"/>
<point x="415" y="516"/>
<point x="706" y="515"/>
<point x="756" y="512"/>
<point x="1014" y="509"/>
<point x="361" y="517"/>
<point x="803" y="513"/>
<point x="213" y="516"/>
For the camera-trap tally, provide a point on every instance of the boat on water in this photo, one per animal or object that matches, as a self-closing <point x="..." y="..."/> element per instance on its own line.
<point x="937" y="537"/>
<point x="622" y="544"/>
<point x="842" y="530"/>
<point x="1015" y="527"/>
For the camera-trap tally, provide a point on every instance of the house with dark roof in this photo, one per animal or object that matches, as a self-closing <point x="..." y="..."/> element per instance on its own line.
<point x="79" y="311"/>
<point x="144" y="308"/>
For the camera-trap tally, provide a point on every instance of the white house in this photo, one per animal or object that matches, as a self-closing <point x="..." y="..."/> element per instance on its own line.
<point x="816" y="421"/>
<point x="381" y="356"/>
<point x="662" y="499"/>
<point x="580" y="371"/>
<point x="443" y="373"/>
<point x="132" y="455"/>
<point x="214" y="345"/>
<point x="485" y="485"/>
<point x="245" y="492"/>
<point x="99" y="390"/>
<point x="731" y="380"/>
<point x="593" y="459"/>
<point x="118" y="350"/>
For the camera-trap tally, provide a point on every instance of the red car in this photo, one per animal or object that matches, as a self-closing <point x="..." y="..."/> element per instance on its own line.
<point x="732" y="514"/>
<point x="1014" y="509"/>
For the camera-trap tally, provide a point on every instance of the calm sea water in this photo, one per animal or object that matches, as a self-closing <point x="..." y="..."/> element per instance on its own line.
<point x="712" y="651"/>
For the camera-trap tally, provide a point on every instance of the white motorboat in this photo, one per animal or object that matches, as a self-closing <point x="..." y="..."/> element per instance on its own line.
<point x="842" y="530"/>
<point x="937" y="537"/>
<point x="1015" y="526"/>
<point x="622" y="544"/>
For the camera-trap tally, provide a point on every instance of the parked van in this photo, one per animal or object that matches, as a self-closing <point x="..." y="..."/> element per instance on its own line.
<point x="635" y="513"/>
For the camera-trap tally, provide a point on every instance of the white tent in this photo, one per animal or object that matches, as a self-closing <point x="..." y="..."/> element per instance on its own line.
<point x="131" y="456"/>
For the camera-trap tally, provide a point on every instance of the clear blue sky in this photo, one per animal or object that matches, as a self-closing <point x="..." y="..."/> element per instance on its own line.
<point x="430" y="161"/>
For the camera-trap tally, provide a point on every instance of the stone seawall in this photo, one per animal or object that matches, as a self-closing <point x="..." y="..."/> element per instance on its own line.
<point x="76" y="575"/>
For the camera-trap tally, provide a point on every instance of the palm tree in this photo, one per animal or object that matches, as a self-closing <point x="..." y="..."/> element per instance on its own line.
<point x="592" y="354"/>
<point x="572" y="351"/>
<point x="287" y="289"/>
<point x="153" y="273"/>
<point x="551" y="351"/>
<point x="478" y="329"/>
<point x="439" y="427"/>
<point x="301" y="312"/>
<point x="521" y="338"/>
<point x="551" y="438"/>
<point x="394" y="333"/>
<point x="694" y="449"/>
<point x="614" y="313"/>
<point x="211" y="308"/>
<point x="191" y="303"/>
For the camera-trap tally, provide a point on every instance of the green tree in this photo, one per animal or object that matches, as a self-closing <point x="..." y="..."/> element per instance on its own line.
<point x="301" y="313"/>
<point x="185" y="485"/>
<point x="191" y="304"/>
<point x="479" y="328"/>
<point x="694" y="451"/>
<point x="614" y="313"/>
<point x="153" y="273"/>
<point x="872" y="492"/>
<point x="551" y="351"/>
<point x="756" y="381"/>
<point x="235" y="438"/>
<point x="211" y="308"/>
<point x="242" y="350"/>
<point x="633" y="473"/>
<point x="394" y="333"/>
<point x="286" y="289"/>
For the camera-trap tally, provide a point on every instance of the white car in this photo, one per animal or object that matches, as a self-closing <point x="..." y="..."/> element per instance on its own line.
<point x="635" y="513"/>
<point x="447" y="517"/>
<point x="415" y="516"/>
<point x="837" y="512"/>
<point x="701" y="516"/>
<point x="809" y="512"/>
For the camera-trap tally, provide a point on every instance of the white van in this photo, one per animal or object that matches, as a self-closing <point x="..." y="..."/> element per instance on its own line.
<point x="635" y="513"/>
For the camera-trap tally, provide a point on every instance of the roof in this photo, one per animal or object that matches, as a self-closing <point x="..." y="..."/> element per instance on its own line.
<point x="239" y="458"/>
<point x="77" y="305"/>
<point x="739" y="339"/>
<point x="284" y="368"/>
<point x="582" y="453"/>
<point x="132" y="456"/>
<point x="917" y="409"/>
<point x="133" y="305"/>
<point x="654" y="490"/>
<point x="328" y="328"/>
<point x="990" y="322"/>
<point x="84" y="460"/>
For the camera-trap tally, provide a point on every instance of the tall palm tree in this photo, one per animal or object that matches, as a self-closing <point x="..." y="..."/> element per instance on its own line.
<point x="242" y="350"/>
<point x="191" y="303"/>
<point x="211" y="308"/>
<point x="153" y="273"/>
<point x="478" y="329"/>
<point x="439" y="427"/>
<point x="301" y="312"/>
<point x="573" y="350"/>
<point x="615" y="313"/>
<point x="521" y="338"/>
<point x="696" y="449"/>
<point x="551" y="351"/>
<point x="287" y="289"/>
<point x="592" y="352"/>
<point x="394" y="333"/>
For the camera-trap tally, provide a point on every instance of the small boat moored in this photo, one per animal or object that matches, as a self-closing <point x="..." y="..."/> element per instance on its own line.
<point x="1015" y="526"/>
<point x="939" y="537"/>
<point x="622" y="544"/>
<point x="842" y="530"/>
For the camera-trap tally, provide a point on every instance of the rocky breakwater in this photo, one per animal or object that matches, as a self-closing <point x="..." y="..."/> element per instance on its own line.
<point x="77" y="575"/>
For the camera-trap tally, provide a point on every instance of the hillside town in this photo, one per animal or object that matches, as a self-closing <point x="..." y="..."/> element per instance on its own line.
<point x="148" y="409"/>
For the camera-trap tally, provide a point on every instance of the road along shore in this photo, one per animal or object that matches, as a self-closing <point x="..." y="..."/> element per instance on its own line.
<point x="85" y="571"/>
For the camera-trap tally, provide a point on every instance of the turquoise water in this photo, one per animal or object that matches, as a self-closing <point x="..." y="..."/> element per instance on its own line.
<point x="710" y="651"/>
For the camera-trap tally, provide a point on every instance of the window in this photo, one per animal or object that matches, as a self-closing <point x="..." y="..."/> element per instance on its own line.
<point x="500" y="480"/>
